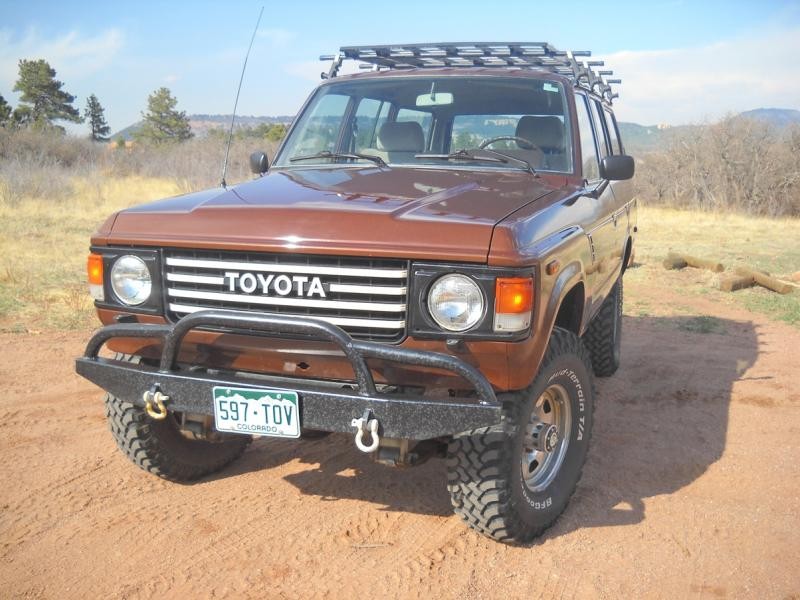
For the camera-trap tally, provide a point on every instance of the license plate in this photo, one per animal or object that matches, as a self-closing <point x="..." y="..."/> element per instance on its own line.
<point x="257" y="411"/>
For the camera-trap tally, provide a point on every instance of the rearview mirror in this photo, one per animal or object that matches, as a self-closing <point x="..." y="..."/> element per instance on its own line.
<point x="259" y="163"/>
<point x="435" y="99"/>
<point x="617" y="168"/>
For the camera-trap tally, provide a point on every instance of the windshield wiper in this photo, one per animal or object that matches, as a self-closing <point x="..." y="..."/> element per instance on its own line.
<point x="328" y="154"/>
<point x="461" y="155"/>
<point x="528" y="166"/>
<point x="467" y="155"/>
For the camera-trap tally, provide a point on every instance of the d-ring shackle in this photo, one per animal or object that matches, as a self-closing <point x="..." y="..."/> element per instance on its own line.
<point x="365" y="425"/>
<point x="154" y="404"/>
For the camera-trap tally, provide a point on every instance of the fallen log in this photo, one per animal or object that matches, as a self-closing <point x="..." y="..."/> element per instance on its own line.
<point x="679" y="261"/>
<point x="702" y="263"/>
<point x="673" y="261"/>
<point x="764" y="280"/>
<point x="731" y="283"/>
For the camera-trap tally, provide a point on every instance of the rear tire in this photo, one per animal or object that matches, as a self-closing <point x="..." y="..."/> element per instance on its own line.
<point x="603" y="338"/>
<point x="160" y="448"/>
<point x="499" y="484"/>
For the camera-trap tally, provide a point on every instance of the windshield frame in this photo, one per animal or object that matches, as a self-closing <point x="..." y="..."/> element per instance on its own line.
<point x="282" y="161"/>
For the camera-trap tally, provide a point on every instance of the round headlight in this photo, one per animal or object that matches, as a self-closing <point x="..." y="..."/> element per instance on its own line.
<point x="130" y="280"/>
<point x="455" y="302"/>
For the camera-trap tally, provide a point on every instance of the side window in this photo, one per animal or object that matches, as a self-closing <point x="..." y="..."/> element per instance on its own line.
<point x="425" y="119"/>
<point x="365" y="124"/>
<point x="599" y="127"/>
<point x="591" y="163"/>
<point x="611" y="126"/>
<point x="470" y="130"/>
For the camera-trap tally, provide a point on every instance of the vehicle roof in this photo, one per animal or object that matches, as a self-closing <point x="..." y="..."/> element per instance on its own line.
<point x="459" y="72"/>
<point x="499" y="72"/>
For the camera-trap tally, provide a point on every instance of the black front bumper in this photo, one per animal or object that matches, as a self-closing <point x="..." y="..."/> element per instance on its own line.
<point x="322" y="405"/>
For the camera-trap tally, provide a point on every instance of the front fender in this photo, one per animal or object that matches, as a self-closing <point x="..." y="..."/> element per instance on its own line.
<point x="571" y="251"/>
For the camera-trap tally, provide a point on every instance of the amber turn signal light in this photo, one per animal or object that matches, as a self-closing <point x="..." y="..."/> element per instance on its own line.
<point x="513" y="303"/>
<point x="513" y="295"/>
<point x="94" y="267"/>
<point x="94" y="271"/>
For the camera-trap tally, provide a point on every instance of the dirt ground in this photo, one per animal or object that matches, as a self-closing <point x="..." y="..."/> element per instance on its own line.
<point x="690" y="489"/>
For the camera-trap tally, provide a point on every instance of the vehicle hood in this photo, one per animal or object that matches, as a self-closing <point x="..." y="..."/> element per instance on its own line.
<point x="400" y="212"/>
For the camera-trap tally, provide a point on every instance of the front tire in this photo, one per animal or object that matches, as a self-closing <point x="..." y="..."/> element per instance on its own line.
<point x="160" y="448"/>
<point x="511" y="481"/>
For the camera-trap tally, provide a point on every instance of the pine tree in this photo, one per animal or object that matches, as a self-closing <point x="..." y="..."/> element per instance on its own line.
<point x="42" y="100"/>
<point x="5" y="112"/>
<point x="95" y="114"/>
<point x="276" y="132"/>
<point x="162" y="123"/>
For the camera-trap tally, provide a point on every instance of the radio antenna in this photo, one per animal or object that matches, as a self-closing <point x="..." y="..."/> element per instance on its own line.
<point x="236" y="102"/>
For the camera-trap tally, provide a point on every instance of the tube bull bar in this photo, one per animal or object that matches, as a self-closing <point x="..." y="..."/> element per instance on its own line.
<point x="322" y="407"/>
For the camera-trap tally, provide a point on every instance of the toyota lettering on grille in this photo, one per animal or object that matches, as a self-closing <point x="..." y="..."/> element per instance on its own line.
<point x="301" y="286"/>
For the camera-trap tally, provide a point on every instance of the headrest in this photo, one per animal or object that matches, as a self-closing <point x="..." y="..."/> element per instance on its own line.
<point x="405" y="136"/>
<point x="545" y="132"/>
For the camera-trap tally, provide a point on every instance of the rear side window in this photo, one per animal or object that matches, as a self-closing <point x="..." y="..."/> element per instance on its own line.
<point x="611" y="126"/>
<point x="599" y="127"/>
<point x="591" y="163"/>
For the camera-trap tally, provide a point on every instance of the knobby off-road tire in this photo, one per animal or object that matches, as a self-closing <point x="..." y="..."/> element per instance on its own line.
<point x="488" y="469"/>
<point x="603" y="338"/>
<point x="160" y="448"/>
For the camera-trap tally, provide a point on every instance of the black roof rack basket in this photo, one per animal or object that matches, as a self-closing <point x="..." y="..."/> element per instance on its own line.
<point x="522" y="55"/>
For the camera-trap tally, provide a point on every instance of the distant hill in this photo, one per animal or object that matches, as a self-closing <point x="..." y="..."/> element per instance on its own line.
<point x="779" y="117"/>
<point x="646" y="138"/>
<point x="202" y="124"/>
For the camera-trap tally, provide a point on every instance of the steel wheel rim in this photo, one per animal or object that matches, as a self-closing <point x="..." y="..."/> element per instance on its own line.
<point x="541" y="458"/>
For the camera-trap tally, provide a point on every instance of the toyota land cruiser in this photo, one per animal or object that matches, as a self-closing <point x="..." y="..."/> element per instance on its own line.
<point x="432" y="263"/>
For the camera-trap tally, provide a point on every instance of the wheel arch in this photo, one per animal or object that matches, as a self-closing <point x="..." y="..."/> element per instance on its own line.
<point x="570" y="312"/>
<point x="567" y="302"/>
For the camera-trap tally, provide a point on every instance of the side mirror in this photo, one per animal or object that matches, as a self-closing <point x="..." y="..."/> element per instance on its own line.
<point x="259" y="163"/>
<point x="616" y="168"/>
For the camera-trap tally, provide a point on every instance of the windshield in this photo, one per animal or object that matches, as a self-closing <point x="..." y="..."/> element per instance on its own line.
<point x="418" y="121"/>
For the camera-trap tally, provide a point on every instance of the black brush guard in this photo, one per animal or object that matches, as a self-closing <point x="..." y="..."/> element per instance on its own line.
<point x="322" y="407"/>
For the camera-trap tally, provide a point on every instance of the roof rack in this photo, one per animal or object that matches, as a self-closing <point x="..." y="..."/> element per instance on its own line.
<point x="524" y="55"/>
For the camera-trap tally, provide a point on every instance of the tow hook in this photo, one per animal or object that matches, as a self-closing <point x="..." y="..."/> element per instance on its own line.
<point x="367" y="425"/>
<point x="154" y="403"/>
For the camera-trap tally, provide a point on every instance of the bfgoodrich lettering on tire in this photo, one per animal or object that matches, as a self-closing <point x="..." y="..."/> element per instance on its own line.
<point x="512" y="481"/>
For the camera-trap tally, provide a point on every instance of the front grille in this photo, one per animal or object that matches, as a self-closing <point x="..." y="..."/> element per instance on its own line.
<point x="366" y="297"/>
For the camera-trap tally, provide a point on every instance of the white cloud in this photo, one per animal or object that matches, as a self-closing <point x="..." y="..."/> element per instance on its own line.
<point x="277" y="37"/>
<point x="72" y="55"/>
<point x="689" y="85"/>
<point x="171" y="78"/>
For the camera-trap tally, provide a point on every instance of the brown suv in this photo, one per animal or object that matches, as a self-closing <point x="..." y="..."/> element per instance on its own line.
<point x="432" y="263"/>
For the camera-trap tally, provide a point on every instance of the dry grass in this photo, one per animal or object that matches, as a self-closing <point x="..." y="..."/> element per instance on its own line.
<point x="43" y="248"/>
<point x="763" y="243"/>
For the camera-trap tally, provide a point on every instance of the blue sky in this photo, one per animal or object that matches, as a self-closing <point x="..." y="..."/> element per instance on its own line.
<point x="680" y="61"/>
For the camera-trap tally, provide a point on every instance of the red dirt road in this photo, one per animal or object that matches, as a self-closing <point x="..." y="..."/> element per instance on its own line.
<point x="691" y="489"/>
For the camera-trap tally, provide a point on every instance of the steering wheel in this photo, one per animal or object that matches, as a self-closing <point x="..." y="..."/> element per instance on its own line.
<point x="523" y="143"/>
